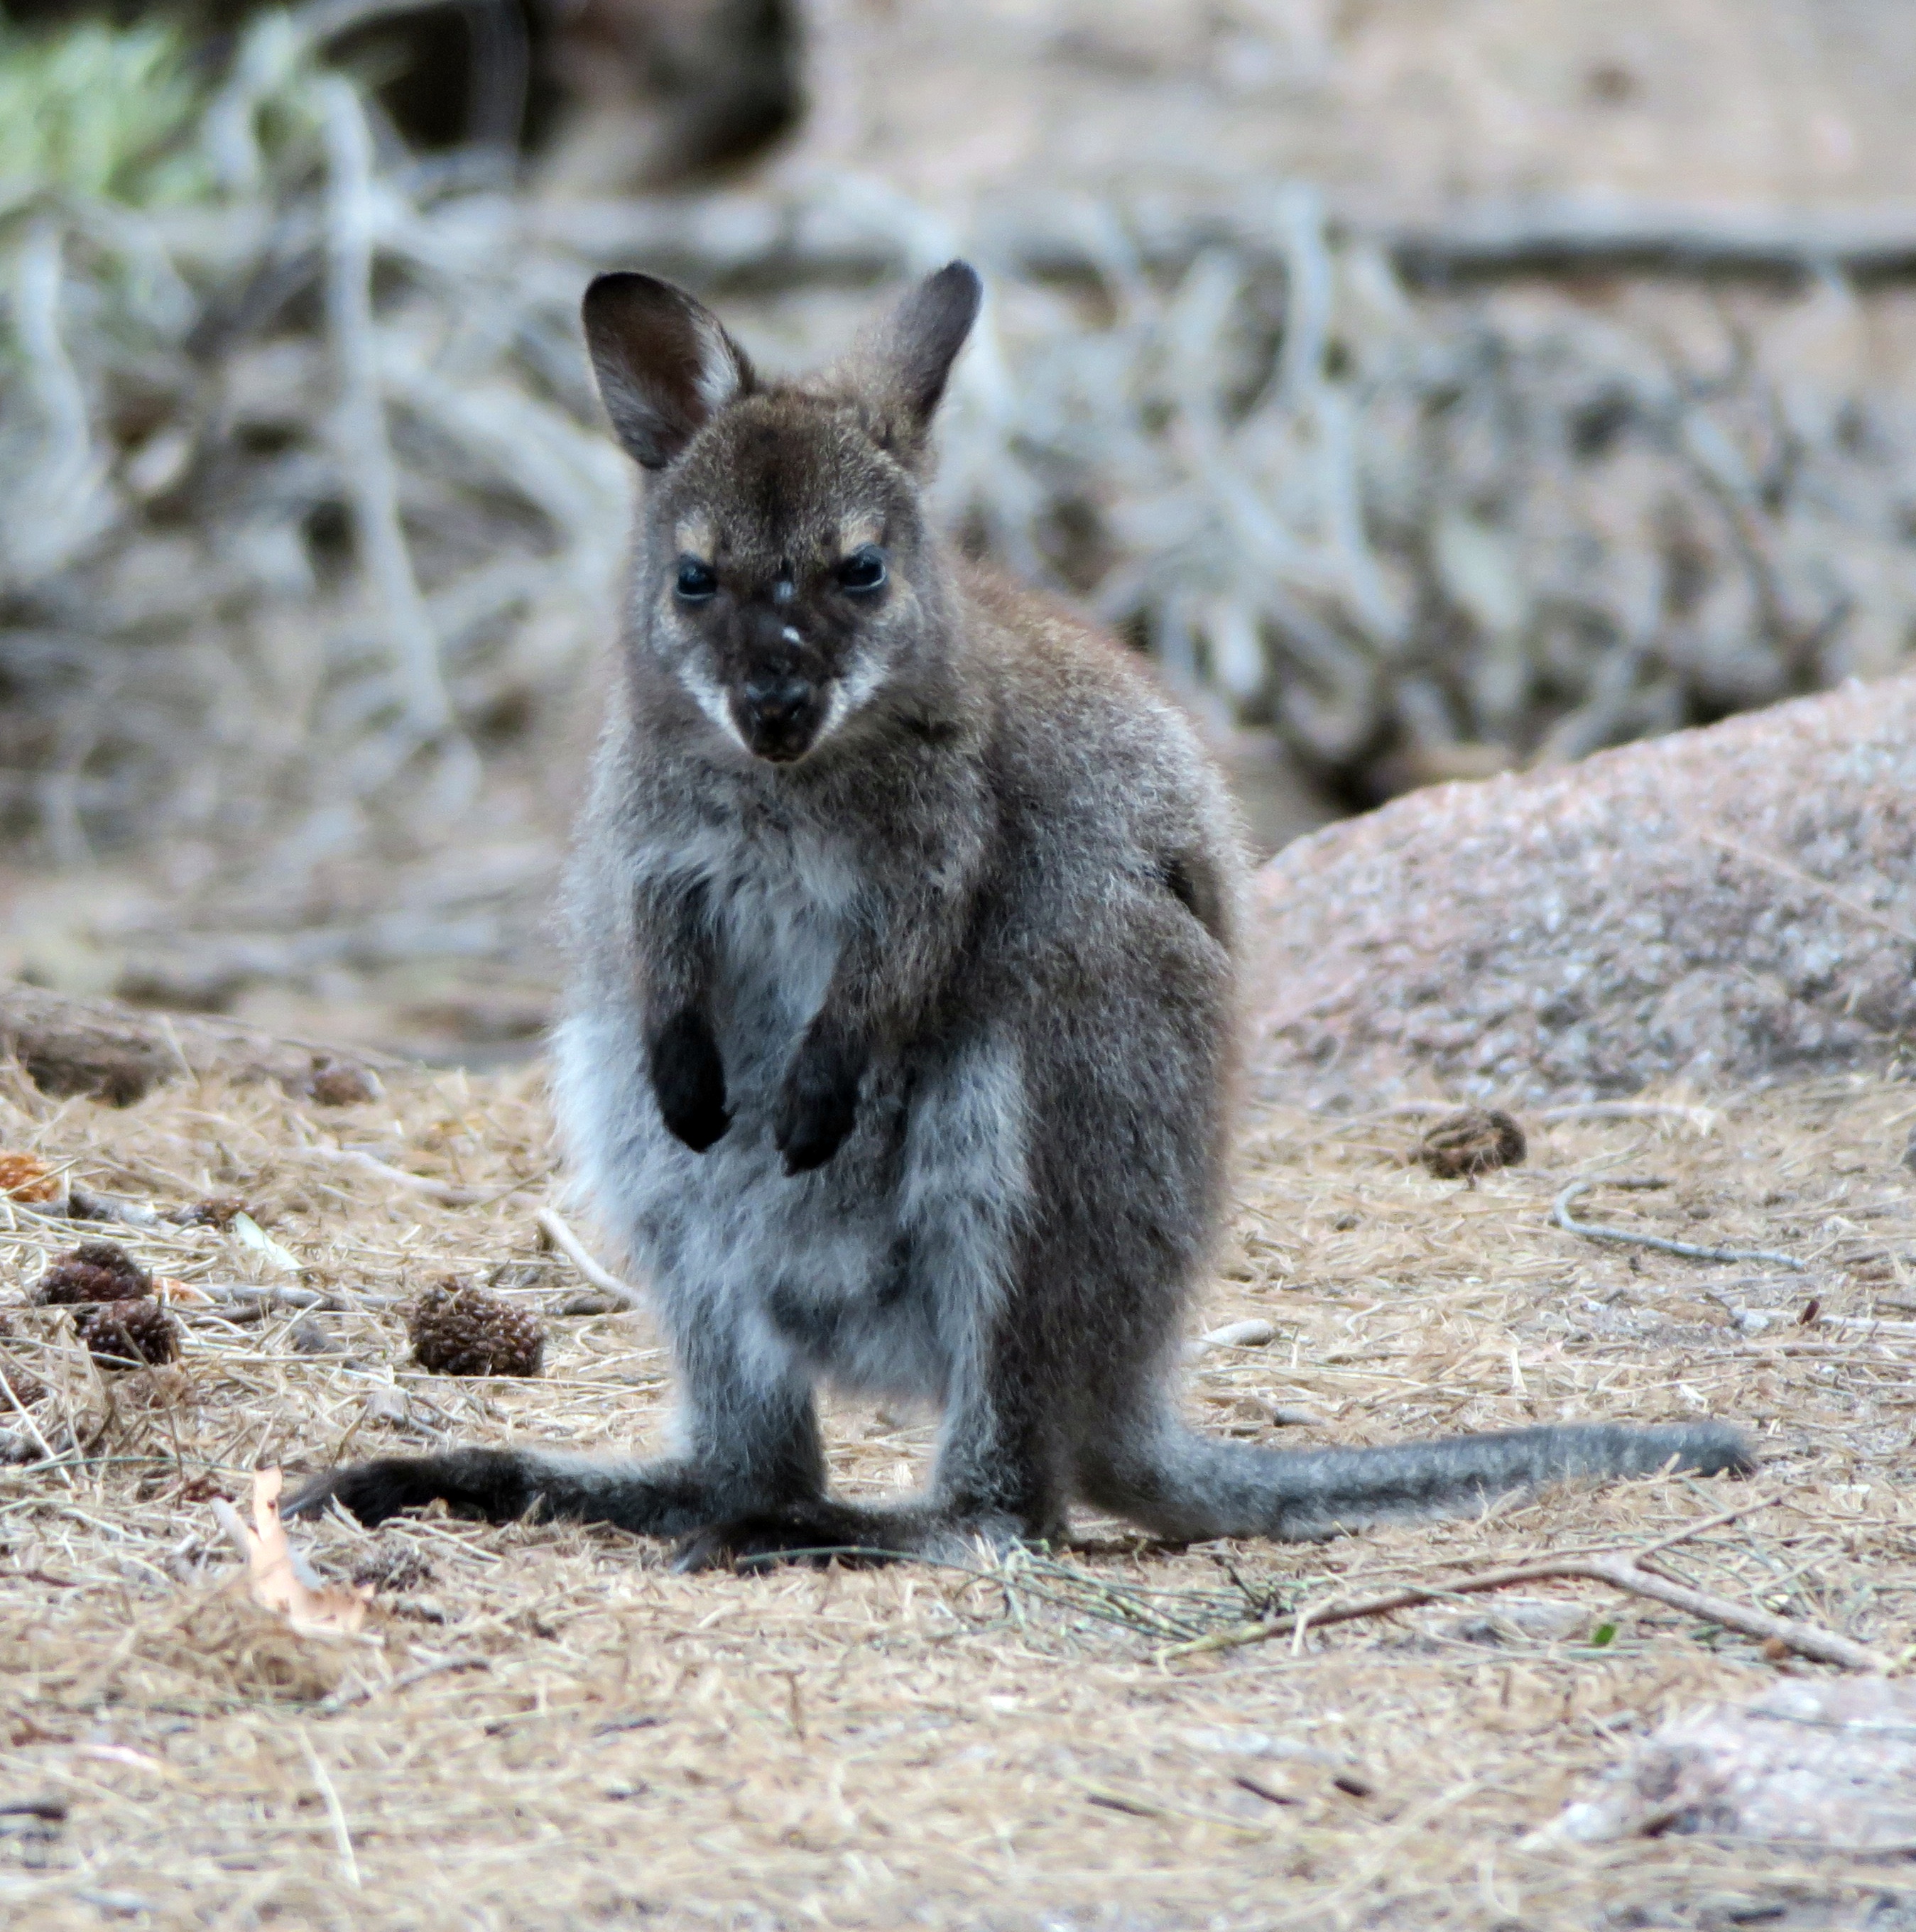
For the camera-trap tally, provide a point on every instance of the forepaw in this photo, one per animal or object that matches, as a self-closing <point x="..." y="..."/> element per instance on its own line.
<point x="814" y="1533"/>
<point x="688" y="1077"/>
<point x="818" y="1105"/>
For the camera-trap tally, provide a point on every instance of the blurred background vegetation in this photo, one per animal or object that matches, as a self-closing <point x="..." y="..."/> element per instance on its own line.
<point x="1432" y="387"/>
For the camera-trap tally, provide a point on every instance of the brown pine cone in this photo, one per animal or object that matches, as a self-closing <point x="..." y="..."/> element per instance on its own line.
<point x="93" y="1271"/>
<point x="27" y="1387"/>
<point x="130" y="1334"/>
<point x="459" y="1330"/>
<point x="23" y="1385"/>
<point x="1463" y="1145"/>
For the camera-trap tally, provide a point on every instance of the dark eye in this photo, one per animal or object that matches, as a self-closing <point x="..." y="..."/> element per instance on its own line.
<point x="696" y="581"/>
<point x="863" y="570"/>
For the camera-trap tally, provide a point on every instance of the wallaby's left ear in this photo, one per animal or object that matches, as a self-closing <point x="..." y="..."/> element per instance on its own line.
<point x="904" y="360"/>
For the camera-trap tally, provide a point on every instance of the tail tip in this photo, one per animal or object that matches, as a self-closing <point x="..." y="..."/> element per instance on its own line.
<point x="1711" y="1449"/>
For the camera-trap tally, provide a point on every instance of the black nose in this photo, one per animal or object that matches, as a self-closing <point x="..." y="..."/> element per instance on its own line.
<point x="778" y="704"/>
<point x="778" y="715"/>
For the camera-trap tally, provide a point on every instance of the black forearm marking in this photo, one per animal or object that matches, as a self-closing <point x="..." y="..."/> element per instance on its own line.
<point x="688" y="1078"/>
<point x="819" y="1104"/>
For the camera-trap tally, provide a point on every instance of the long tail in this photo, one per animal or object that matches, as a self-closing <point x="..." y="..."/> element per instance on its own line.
<point x="1181" y="1483"/>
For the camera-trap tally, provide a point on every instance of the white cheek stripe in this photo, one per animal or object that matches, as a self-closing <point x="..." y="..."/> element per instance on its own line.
<point x="711" y="699"/>
<point x="848" y="695"/>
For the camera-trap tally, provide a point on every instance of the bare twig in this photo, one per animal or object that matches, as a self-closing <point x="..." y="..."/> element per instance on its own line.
<point x="711" y="234"/>
<point x="1756" y="1320"/>
<point x="342" y="1838"/>
<point x="575" y="1251"/>
<point x="239" y="1301"/>
<point x="442" y="1191"/>
<point x="1579" y="233"/>
<point x="1593" y="1231"/>
<point x="1622" y="1570"/>
<point x="360" y="1693"/>
<point x="1703" y="1119"/>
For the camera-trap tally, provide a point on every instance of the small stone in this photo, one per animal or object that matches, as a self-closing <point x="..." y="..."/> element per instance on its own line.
<point x="1826" y="1762"/>
<point x="339" y="1084"/>
<point x="309" y="1338"/>
<point x="1909" y="1151"/>
<point x="387" y="1404"/>
<point x="587" y="1304"/>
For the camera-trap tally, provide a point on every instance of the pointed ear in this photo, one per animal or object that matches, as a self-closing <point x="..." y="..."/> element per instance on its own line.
<point x="664" y="365"/>
<point x="904" y="361"/>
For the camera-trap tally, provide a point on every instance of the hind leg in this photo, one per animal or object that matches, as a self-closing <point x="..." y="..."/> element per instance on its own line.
<point x="961" y="1205"/>
<point x="751" y="1439"/>
<point x="998" y="1481"/>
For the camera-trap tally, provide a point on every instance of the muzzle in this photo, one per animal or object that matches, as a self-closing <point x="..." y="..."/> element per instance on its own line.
<point x="779" y="717"/>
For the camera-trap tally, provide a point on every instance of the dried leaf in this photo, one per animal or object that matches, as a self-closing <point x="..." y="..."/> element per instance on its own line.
<point x="273" y="1572"/>
<point x="248" y="1232"/>
<point x="26" y="1176"/>
<point x="182" y="1294"/>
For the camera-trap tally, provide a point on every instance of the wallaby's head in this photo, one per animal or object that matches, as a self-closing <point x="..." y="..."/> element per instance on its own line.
<point x="785" y="576"/>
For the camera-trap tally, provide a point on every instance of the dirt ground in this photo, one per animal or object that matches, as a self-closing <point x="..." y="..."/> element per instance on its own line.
<point x="543" y="1726"/>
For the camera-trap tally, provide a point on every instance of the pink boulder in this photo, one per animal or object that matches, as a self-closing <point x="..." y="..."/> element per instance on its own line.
<point x="1725" y="905"/>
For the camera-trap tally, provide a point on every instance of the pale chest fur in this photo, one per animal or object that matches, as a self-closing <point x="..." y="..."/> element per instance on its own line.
<point x="777" y="904"/>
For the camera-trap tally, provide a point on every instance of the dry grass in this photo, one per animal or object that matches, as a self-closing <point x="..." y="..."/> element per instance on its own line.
<point x="546" y="1728"/>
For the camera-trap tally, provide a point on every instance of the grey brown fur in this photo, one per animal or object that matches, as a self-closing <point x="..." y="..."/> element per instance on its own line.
<point x="898" y="1048"/>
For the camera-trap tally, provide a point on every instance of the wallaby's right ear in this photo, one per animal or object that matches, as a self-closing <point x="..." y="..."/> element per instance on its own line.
<point x="666" y="366"/>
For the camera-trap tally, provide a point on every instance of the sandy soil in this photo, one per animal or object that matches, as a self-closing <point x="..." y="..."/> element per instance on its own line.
<point x="543" y="1726"/>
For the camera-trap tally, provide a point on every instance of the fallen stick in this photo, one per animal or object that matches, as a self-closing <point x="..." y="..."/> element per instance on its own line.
<point x="361" y="1694"/>
<point x="243" y="1300"/>
<point x="1593" y="1231"/>
<point x="1703" y="1119"/>
<point x="116" y="1053"/>
<point x="795" y="239"/>
<point x="443" y="1192"/>
<point x="1757" y="1321"/>
<point x="1571" y="233"/>
<point x="575" y="1251"/>
<point x="1621" y="1571"/>
<point x="1253" y="1333"/>
<point x="342" y="1837"/>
